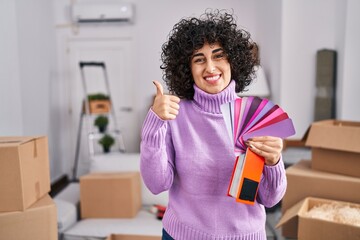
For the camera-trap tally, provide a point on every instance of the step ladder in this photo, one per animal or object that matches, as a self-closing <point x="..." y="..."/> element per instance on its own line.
<point x="86" y="115"/>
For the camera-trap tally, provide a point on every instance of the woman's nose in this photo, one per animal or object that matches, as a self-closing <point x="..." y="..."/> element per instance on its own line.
<point x="210" y="67"/>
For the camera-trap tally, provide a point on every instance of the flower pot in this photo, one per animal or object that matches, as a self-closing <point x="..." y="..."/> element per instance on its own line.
<point x="106" y="149"/>
<point x="102" y="129"/>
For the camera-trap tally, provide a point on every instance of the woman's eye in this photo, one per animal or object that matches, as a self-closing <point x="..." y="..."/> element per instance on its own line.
<point x="219" y="56"/>
<point x="198" y="60"/>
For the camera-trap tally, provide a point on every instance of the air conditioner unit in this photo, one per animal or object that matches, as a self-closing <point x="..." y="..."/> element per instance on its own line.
<point x="102" y="12"/>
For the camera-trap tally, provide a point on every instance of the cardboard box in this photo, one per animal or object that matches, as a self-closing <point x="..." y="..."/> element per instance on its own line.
<point x="24" y="172"/>
<point x="317" y="229"/>
<point x="132" y="237"/>
<point x="110" y="195"/>
<point x="306" y="182"/>
<point x="335" y="146"/>
<point x="98" y="106"/>
<point x="37" y="222"/>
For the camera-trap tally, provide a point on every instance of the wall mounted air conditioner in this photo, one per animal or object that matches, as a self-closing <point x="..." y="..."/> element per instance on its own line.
<point x="102" y="12"/>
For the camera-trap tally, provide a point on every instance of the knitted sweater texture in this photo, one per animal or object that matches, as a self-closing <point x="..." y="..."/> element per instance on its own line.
<point x="192" y="157"/>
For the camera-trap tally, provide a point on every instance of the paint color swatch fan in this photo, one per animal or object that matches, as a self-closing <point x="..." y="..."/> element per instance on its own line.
<point x="245" y="118"/>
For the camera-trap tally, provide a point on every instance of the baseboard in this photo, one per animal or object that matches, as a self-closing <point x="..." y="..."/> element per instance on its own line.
<point x="59" y="185"/>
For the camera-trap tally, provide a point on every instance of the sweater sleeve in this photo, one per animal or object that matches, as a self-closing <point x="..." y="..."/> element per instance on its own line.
<point x="156" y="154"/>
<point x="272" y="185"/>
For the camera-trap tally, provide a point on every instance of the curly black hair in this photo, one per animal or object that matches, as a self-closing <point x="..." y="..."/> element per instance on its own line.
<point x="189" y="35"/>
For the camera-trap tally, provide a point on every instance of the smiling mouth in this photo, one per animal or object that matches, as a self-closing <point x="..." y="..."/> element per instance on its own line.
<point x="213" y="77"/>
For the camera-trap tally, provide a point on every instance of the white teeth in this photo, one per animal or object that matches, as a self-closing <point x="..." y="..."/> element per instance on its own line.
<point x="213" y="78"/>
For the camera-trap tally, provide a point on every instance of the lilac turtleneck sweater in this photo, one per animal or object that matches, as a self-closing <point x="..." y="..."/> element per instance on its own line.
<point x="192" y="157"/>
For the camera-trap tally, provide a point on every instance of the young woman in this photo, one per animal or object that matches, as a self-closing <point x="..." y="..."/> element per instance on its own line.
<point x="185" y="148"/>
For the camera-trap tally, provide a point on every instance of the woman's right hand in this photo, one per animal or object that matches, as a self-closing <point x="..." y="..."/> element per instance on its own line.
<point x="165" y="106"/>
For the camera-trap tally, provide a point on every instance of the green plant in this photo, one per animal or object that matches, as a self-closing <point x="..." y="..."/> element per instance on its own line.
<point x="98" y="96"/>
<point x="107" y="141"/>
<point x="101" y="122"/>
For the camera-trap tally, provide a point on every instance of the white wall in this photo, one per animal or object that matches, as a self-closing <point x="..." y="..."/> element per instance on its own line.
<point x="37" y="63"/>
<point x="307" y="26"/>
<point x="349" y="109"/>
<point x="268" y="32"/>
<point x="27" y="61"/>
<point x="36" y="46"/>
<point x="10" y="93"/>
<point x="340" y="37"/>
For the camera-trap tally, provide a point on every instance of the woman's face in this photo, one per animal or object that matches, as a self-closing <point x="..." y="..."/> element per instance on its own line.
<point x="210" y="68"/>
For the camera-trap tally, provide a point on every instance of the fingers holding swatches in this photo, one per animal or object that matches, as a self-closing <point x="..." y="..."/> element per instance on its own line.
<point x="268" y="147"/>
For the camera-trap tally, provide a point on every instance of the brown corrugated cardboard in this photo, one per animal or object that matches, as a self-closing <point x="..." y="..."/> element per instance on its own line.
<point x="317" y="229"/>
<point x="98" y="106"/>
<point x="305" y="182"/>
<point x="110" y="195"/>
<point x="132" y="237"/>
<point x="335" y="146"/>
<point x="335" y="161"/>
<point x="37" y="222"/>
<point x="24" y="172"/>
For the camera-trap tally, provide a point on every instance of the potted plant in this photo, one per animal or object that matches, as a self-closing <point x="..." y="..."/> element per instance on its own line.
<point x="101" y="122"/>
<point x="107" y="141"/>
<point x="98" y="103"/>
<point x="98" y="96"/>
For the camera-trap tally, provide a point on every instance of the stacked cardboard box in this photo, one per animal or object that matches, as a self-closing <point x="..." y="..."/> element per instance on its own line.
<point x="26" y="209"/>
<point x="335" y="146"/>
<point x="321" y="224"/>
<point x="114" y="200"/>
<point x="110" y="195"/>
<point x="333" y="172"/>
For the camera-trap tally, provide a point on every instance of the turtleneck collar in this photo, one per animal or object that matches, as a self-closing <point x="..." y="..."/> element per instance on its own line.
<point x="211" y="102"/>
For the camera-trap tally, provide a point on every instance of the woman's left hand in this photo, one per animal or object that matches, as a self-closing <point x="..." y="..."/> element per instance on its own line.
<point x="268" y="147"/>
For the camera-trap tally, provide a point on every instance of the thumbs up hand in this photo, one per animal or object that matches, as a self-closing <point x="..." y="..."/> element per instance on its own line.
<point x="165" y="106"/>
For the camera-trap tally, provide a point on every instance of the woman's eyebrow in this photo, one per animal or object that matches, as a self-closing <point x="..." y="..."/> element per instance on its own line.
<point x="201" y="54"/>
<point x="197" y="55"/>
<point x="217" y="50"/>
